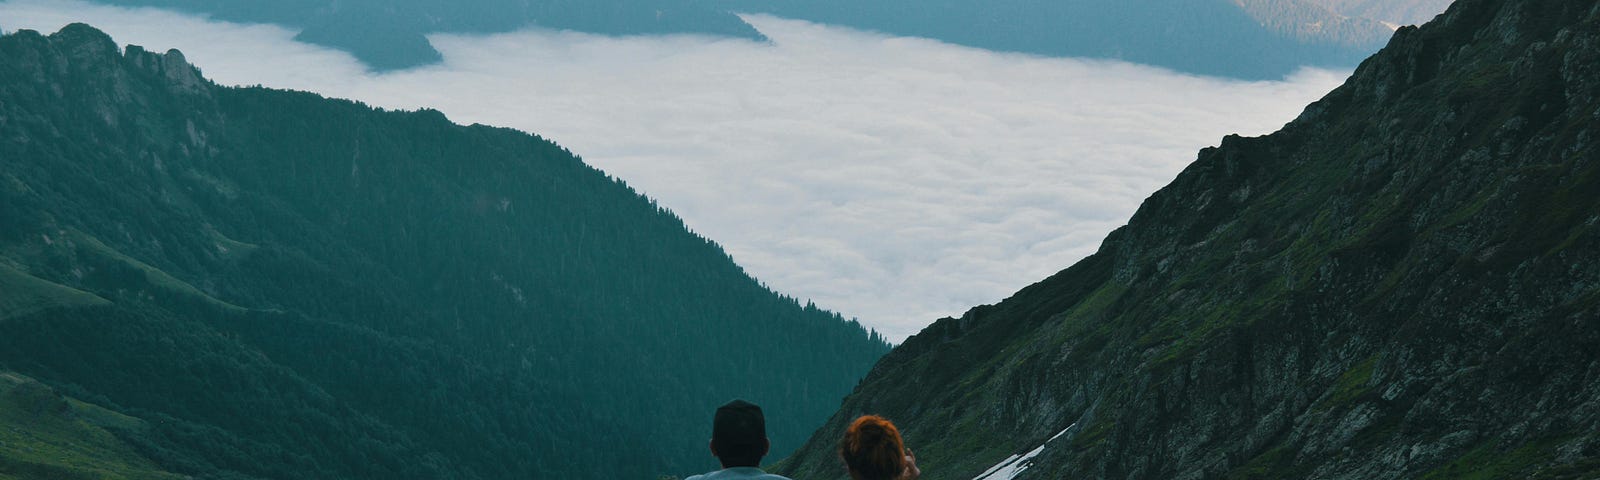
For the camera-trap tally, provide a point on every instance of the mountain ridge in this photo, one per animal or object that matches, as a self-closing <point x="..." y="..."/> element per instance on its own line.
<point x="1400" y="283"/>
<point x="1243" y="39"/>
<point x="297" y="287"/>
<point x="390" y="35"/>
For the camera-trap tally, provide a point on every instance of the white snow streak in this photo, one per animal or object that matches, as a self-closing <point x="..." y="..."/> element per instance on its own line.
<point x="1014" y="465"/>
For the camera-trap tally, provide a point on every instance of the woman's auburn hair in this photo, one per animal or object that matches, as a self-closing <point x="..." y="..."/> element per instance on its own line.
<point x="872" y="448"/>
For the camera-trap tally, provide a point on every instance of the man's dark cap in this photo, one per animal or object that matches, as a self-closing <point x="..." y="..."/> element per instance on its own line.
<point x="739" y="423"/>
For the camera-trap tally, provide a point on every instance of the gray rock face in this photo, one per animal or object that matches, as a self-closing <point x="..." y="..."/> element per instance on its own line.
<point x="1404" y="282"/>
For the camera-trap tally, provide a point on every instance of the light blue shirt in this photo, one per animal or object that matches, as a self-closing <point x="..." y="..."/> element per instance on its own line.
<point x="738" y="473"/>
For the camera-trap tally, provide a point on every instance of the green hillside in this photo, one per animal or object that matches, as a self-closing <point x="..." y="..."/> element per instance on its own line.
<point x="44" y="435"/>
<point x="287" y="286"/>
<point x="26" y="294"/>
<point x="1404" y="282"/>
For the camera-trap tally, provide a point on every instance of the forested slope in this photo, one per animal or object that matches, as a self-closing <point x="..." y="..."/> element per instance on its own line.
<point x="1404" y="282"/>
<point x="287" y="286"/>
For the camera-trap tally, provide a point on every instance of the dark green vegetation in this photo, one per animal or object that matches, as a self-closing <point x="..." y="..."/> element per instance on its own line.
<point x="390" y="34"/>
<point x="46" y="436"/>
<point x="286" y="286"/>
<point x="1251" y="39"/>
<point x="1404" y="282"/>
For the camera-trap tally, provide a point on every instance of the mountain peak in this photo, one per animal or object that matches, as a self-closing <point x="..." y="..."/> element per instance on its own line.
<point x="178" y="72"/>
<point x="78" y="33"/>
<point x="85" y="43"/>
<point x="1404" y="282"/>
<point x="86" y="50"/>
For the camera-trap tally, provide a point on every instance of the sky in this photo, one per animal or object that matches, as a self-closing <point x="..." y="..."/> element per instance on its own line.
<point x="894" y="180"/>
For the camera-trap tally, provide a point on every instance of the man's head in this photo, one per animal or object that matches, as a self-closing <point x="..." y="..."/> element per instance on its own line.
<point x="739" y="434"/>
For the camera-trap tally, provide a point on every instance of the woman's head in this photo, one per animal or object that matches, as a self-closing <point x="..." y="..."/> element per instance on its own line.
<point x="872" y="448"/>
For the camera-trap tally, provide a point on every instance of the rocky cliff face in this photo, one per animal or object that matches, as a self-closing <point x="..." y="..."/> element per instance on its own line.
<point x="1404" y="282"/>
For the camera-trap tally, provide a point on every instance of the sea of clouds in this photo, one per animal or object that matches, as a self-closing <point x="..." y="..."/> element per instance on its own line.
<point x="897" y="180"/>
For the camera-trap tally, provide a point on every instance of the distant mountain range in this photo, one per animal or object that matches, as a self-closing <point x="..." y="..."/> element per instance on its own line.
<point x="1252" y="39"/>
<point x="389" y="34"/>
<point x="1407" y="12"/>
<point x="1403" y="282"/>
<point x="251" y="283"/>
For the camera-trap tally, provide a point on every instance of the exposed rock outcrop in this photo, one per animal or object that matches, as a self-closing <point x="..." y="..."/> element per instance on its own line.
<point x="1404" y="282"/>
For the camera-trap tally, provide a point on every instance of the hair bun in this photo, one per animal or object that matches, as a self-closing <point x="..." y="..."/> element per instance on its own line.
<point x="873" y="449"/>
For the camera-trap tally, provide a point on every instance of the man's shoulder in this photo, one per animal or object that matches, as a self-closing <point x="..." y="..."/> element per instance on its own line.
<point x="738" y="474"/>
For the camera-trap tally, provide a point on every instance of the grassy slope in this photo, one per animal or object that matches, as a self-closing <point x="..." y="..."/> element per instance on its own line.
<point x="46" y="436"/>
<point x="94" y="247"/>
<point x="26" y="294"/>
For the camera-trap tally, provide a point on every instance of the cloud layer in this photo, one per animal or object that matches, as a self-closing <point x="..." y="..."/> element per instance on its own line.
<point x="897" y="180"/>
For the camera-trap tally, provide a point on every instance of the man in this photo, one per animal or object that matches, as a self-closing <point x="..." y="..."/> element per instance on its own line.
<point x="739" y="440"/>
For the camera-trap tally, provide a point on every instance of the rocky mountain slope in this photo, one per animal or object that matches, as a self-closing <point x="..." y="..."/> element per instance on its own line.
<point x="286" y="286"/>
<point x="1404" y="282"/>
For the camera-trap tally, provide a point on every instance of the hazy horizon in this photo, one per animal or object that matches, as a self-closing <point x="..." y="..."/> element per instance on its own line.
<point x="896" y="180"/>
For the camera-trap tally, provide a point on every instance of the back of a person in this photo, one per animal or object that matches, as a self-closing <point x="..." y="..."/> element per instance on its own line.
<point x="873" y="450"/>
<point x="738" y="473"/>
<point x="739" y="441"/>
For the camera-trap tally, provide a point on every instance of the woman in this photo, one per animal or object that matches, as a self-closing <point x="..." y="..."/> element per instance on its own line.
<point x="872" y="450"/>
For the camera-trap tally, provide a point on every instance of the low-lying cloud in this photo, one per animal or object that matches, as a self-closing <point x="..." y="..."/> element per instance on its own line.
<point x="897" y="180"/>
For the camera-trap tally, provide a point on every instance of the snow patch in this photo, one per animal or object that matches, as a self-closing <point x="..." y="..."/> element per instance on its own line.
<point x="1014" y="465"/>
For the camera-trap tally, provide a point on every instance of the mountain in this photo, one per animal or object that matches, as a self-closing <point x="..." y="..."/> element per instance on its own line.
<point x="1410" y="12"/>
<point x="1307" y="22"/>
<point x="1403" y="282"/>
<point x="1250" y="39"/>
<point x="390" y="34"/>
<point x="286" y="286"/>
<point x="47" y="435"/>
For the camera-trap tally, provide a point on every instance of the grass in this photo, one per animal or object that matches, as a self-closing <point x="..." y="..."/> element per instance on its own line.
<point x="1487" y="462"/>
<point x="1264" y="466"/>
<point x="1095" y="434"/>
<point x="229" y="248"/>
<point x="46" y="436"/>
<point x="1088" y="323"/>
<point x="1354" y="382"/>
<point x="153" y="275"/>
<point x="1188" y="336"/>
<point x="26" y="294"/>
<point x="964" y="452"/>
